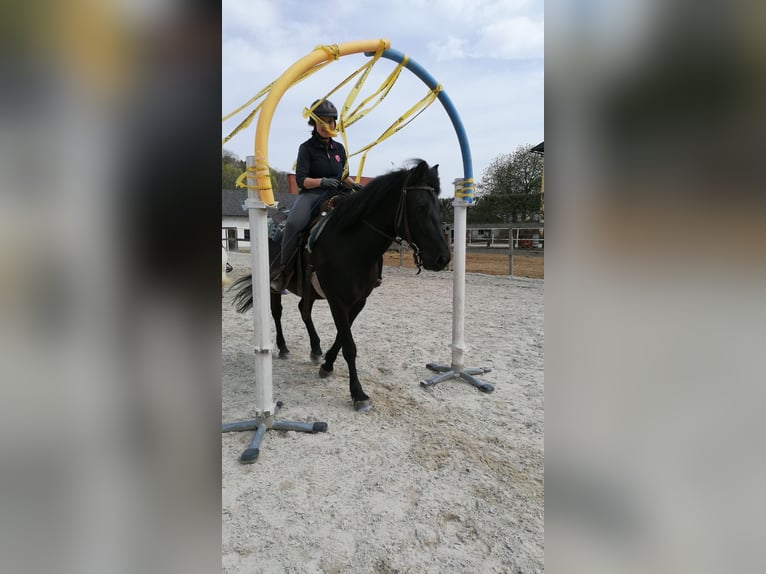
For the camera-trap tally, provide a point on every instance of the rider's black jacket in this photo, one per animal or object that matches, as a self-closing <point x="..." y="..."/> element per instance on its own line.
<point x="315" y="159"/>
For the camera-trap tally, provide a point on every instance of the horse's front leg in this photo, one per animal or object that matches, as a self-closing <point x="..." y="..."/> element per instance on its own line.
<point x="305" y="306"/>
<point x="325" y="369"/>
<point x="343" y="320"/>
<point x="276" y="313"/>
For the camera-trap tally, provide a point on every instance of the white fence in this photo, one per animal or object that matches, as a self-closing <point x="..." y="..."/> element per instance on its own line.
<point x="235" y="238"/>
<point x="528" y="240"/>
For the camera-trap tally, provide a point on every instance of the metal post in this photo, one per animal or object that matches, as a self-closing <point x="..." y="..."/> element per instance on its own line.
<point x="265" y="408"/>
<point x="457" y="370"/>
<point x="510" y="252"/>
<point x="259" y="255"/>
<point x="458" y="286"/>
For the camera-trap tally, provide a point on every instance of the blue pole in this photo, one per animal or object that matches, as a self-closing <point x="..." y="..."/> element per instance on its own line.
<point x="428" y="80"/>
<point x="461" y="203"/>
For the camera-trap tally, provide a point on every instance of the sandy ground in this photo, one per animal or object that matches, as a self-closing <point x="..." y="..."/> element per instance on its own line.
<point x="431" y="480"/>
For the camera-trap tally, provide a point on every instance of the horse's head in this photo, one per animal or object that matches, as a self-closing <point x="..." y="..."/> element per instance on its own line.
<point x="422" y="224"/>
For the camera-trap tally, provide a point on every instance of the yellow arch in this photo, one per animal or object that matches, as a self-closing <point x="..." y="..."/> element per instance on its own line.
<point x="318" y="56"/>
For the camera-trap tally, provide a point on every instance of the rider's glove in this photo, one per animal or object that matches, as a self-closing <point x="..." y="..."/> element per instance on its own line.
<point x="329" y="182"/>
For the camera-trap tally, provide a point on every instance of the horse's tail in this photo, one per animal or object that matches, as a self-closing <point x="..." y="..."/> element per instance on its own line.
<point x="243" y="293"/>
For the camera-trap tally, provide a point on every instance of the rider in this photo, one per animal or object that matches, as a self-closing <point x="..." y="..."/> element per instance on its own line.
<point x="319" y="169"/>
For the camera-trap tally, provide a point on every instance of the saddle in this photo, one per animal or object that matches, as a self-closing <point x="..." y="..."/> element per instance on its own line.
<point x="320" y="219"/>
<point x="278" y="219"/>
<point x="320" y="215"/>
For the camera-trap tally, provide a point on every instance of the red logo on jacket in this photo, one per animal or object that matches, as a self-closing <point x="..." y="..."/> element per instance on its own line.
<point x="337" y="158"/>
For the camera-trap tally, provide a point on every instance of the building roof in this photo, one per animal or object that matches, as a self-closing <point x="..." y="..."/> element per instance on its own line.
<point x="232" y="201"/>
<point x="539" y="148"/>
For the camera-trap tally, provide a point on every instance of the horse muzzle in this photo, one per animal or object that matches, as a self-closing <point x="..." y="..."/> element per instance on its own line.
<point x="436" y="263"/>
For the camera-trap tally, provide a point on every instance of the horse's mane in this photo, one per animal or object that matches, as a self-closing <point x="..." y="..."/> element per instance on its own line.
<point x="367" y="200"/>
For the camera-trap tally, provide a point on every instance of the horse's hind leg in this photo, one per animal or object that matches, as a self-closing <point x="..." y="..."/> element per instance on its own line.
<point x="305" y="306"/>
<point x="276" y="313"/>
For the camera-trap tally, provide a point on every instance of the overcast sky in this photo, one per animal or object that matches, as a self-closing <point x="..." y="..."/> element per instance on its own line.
<point x="487" y="55"/>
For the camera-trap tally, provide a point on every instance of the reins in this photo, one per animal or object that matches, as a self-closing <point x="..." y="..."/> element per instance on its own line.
<point x="402" y="217"/>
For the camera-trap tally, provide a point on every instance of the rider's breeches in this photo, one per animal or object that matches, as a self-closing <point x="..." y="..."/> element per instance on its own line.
<point x="297" y="220"/>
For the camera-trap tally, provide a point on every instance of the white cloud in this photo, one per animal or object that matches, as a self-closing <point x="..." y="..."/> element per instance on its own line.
<point x="492" y="34"/>
<point x="513" y="38"/>
<point x="448" y="49"/>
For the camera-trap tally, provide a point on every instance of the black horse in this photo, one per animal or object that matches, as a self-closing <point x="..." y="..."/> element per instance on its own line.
<point x="400" y="205"/>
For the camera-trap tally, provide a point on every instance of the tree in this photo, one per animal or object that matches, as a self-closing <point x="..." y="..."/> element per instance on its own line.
<point x="448" y="210"/>
<point x="510" y="189"/>
<point x="489" y="208"/>
<point x="232" y="167"/>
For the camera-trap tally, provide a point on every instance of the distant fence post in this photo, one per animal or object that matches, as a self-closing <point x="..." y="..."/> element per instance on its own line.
<point x="510" y="251"/>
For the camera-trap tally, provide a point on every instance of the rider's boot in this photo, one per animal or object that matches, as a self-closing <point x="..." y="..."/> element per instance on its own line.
<point x="281" y="273"/>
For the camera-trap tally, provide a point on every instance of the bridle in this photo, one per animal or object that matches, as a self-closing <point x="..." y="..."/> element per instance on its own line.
<point x="401" y="218"/>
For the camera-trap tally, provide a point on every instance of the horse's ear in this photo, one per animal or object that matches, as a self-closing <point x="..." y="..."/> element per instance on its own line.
<point x="420" y="171"/>
<point x="434" y="178"/>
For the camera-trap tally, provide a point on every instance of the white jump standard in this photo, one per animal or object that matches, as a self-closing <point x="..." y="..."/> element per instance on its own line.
<point x="261" y="425"/>
<point x="458" y="370"/>
<point x="265" y="408"/>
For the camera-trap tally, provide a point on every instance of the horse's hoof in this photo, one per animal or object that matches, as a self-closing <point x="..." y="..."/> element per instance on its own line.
<point x="315" y="358"/>
<point x="324" y="374"/>
<point x="362" y="406"/>
<point x="284" y="354"/>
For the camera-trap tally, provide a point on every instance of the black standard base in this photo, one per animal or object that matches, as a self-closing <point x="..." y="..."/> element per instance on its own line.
<point x="447" y="373"/>
<point x="261" y="425"/>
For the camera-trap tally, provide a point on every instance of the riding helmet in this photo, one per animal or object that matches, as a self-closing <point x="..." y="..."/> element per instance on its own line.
<point x="324" y="110"/>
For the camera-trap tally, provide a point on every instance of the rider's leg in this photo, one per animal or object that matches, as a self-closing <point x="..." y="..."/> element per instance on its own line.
<point x="299" y="217"/>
